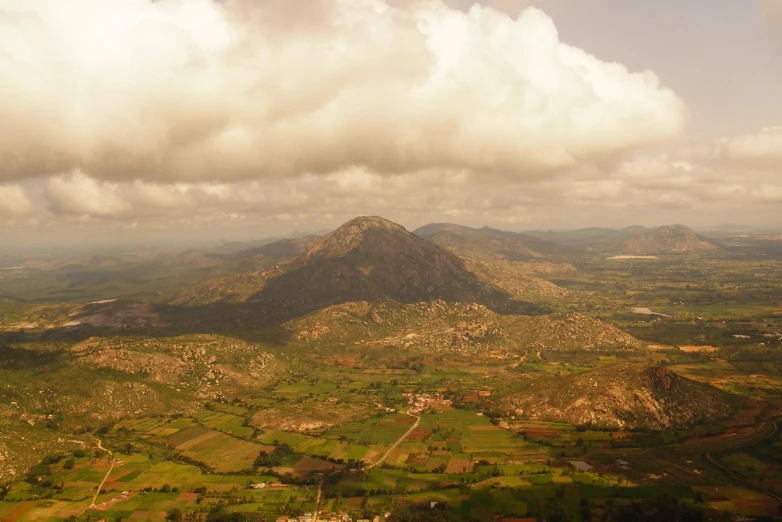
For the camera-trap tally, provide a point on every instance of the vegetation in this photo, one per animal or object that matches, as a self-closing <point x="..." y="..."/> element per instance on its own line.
<point x="652" y="391"/>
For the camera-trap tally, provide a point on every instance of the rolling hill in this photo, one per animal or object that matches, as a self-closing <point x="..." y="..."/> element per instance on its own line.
<point x="280" y="249"/>
<point x="622" y="396"/>
<point x="507" y="245"/>
<point x="669" y="239"/>
<point x="587" y="237"/>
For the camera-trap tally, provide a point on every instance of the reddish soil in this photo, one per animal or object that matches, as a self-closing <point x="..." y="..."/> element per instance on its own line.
<point x="536" y="432"/>
<point x="757" y="507"/>
<point x="18" y="512"/>
<point x="419" y="435"/>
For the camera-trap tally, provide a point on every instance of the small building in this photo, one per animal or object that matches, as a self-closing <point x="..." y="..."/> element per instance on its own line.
<point x="579" y="465"/>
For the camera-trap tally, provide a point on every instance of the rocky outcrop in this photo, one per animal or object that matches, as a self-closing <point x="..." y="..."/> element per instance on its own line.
<point x="571" y="332"/>
<point x="622" y="396"/>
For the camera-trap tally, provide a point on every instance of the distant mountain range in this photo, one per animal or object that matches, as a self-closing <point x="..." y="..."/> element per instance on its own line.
<point x="671" y="239"/>
<point x="366" y="259"/>
<point x="512" y="246"/>
<point x="592" y="236"/>
<point x="373" y="259"/>
<point x="371" y="292"/>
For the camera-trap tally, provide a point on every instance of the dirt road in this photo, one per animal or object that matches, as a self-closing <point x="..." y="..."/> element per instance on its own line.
<point x="105" y="477"/>
<point x="397" y="443"/>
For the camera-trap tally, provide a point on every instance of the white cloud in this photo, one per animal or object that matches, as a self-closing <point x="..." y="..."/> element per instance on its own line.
<point x="14" y="201"/>
<point x="510" y="7"/>
<point x="81" y="195"/>
<point x="695" y="181"/>
<point x="197" y="90"/>
<point x="764" y="146"/>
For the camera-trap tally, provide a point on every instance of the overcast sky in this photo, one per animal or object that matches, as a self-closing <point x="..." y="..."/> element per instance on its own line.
<point x="132" y="119"/>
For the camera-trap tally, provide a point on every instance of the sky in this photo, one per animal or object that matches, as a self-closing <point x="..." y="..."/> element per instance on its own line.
<point x="135" y="120"/>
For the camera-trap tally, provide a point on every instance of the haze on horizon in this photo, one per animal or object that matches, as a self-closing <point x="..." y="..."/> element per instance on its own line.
<point x="133" y="120"/>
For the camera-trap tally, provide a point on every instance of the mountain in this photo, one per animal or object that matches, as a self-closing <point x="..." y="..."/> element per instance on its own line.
<point x="508" y="245"/>
<point x="483" y="247"/>
<point x="356" y="330"/>
<point x="584" y="237"/>
<point x="507" y="260"/>
<point x="667" y="239"/>
<point x="622" y="396"/>
<point x="567" y="333"/>
<point x="280" y="249"/>
<point x="434" y="228"/>
<point x="373" y="259"/>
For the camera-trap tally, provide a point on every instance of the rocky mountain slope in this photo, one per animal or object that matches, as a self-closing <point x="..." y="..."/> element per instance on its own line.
<point x="373" y="259"/>
<point x="206" y="366"/>
<point x="235" y="288"/>
<point x="480" y="247"/>
<point x="367" y="334"/>
<point x="622" y="396"/>
<point x="507" y="263"/>
<point x="280" y="249"/>
<point x="669" y="239"/>
<point x="571" y="332"/>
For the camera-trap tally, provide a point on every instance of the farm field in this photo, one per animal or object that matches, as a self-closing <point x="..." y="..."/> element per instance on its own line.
<point x="461" y="456"/>
<point x="368" y="408"/>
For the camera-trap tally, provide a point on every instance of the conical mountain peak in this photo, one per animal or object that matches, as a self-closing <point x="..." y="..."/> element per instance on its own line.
<point x="369" y="233"/>
<point x="373" y="259"/>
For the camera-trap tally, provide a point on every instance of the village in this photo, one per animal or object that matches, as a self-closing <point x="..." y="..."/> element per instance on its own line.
<point x="339" y="516"/>
<point x="420" y="402"/>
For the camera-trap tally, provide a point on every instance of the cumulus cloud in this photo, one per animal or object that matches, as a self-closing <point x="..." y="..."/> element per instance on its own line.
<point x="79" y="194"/>
<point x="764" y="147"/>
<point x="677" y="181"/>
<point x="199" y="90"/>
<point x="14" y="201"/>
<point x="510" y="7"/>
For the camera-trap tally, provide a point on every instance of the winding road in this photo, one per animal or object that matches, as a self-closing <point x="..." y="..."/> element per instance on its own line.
<point x="105" y="477"/>
<point x="380" y="461"/>
<point x="743" y="481"/>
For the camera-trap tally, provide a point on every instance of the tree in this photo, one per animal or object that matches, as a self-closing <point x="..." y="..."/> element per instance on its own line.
<point x="174" y="515"/>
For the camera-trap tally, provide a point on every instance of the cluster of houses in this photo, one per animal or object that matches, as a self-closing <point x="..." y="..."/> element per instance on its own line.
<point x="423" y="401"/>
<point x="325" y="516"/>
<point x="264" y="485"/>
